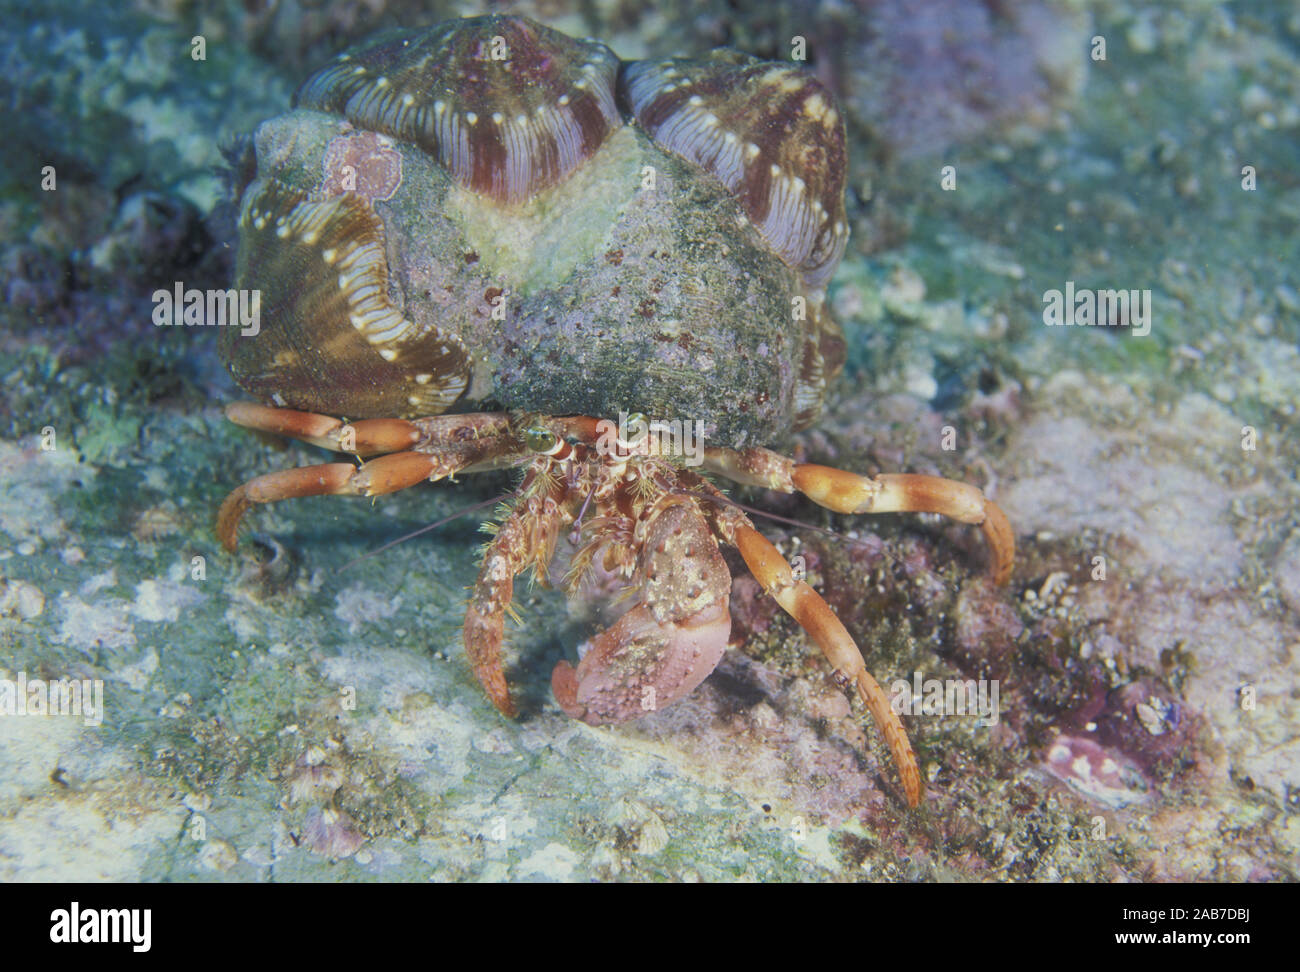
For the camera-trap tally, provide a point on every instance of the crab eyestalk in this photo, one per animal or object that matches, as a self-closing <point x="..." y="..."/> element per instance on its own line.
<point x="542" y="440"/>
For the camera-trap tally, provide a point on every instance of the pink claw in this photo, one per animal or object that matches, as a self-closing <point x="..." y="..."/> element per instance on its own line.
<point x="640" y="665"/>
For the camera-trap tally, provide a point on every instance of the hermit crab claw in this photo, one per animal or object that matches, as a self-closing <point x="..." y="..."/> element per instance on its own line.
<point x="641" y="665"/>
<point x="667" y="644"/>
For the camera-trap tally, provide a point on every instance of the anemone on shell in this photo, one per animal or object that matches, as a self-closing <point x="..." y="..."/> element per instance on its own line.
<point x="824" y="352"/>
<point x="361" y="162"/>
<point x="377" y="277"/>
<point x="509" y="107"/>
<point x="331" y="250"/>
<point x="770" y="132"/>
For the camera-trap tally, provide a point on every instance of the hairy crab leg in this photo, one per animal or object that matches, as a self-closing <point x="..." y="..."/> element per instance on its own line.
<point x="846" y="492"/>
<point x="815" y="616"/>
<point x="521" y="538"/>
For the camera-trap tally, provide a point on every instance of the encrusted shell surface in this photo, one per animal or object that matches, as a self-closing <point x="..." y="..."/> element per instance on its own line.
<point x="509" y="107"/>
<point x="770" y="132"/>
<point x="435" y="226"/>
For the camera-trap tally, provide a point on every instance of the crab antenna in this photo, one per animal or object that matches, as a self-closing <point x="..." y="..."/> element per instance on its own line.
<point x="575" y="534"/>
<point x="424" y="529"/>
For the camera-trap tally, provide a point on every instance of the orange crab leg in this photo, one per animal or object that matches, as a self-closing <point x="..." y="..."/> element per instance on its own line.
<point x="846" y="492"/>
<point x="443" y="446"/>
<point x="815" y="616"/>
<point x="386" y="474"/>
<point x="367" y="437"/>
<point x="331" y="477"/>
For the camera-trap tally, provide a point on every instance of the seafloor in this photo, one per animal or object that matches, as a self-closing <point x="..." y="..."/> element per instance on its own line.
<point x="292" y="713"/>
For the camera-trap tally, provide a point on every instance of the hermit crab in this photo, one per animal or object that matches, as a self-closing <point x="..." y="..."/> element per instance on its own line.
<point x="489" y="245"/>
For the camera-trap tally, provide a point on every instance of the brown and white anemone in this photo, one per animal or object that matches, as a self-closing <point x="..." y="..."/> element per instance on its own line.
<point x="509" y="107"/>
<point x="769" y="131"/>
<point x="512" y="112"/>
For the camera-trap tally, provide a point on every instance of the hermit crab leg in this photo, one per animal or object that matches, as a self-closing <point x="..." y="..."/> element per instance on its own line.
<point x="526" y="536"/>
<point x="387" y="474"/>
<point x="367" y="437"/>
<point x="331" y="477"/>
<point x="846" y="492"/>
<point x="443" y="446"/>
<point x="815" y="616"/>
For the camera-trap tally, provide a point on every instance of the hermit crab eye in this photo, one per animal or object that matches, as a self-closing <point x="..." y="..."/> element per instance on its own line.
<point x="539" y="439"/>
<point x="635" y="427"/>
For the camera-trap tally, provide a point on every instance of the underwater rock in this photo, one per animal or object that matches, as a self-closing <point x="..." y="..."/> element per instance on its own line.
<point x="922" y="75"/>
